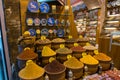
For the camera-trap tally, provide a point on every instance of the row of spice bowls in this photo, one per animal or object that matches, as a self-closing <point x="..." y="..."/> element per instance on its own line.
<point x="72" y="63"/>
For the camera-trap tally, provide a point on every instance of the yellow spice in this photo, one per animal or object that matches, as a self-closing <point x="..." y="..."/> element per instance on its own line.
<point x="47" y="52"/>
<point x="89" y="60"/>
<point x="73" y="63"/>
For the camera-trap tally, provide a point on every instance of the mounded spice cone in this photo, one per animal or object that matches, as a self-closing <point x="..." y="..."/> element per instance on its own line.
<point x="31" y="71"/>
<point x="55" y="70"/>
<point x="27" y="54"/>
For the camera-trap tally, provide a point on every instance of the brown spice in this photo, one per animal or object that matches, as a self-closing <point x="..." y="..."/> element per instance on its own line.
<point x="54" y="67"/>
<point x="27" y="54"/>
<point x="78" y="49"/>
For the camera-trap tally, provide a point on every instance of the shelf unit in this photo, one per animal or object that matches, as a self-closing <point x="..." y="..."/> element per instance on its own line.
<point x="112" y="21"/>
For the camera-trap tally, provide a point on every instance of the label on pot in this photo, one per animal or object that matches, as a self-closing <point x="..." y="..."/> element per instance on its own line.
<point x="84" y="54"/>
<point x="80" y="36"/>
<point x="70" y="37"/>
<point x="62" y="45"/>
<point x="51" y="59"/>
<point x="76" y="44"/>
<point x="87" y="44"/>
<point x="96" y="52"/>
<point x="43" y="37"/>
<point x="69" y="56"/>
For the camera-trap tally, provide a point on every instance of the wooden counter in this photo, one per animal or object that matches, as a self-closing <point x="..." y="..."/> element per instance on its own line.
<point x="104" y="43"/>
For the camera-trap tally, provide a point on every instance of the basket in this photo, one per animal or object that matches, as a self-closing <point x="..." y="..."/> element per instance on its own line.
<point x="105" y="65"/>
<point x="78" y="54"/>
<point x="62" y="57"/>
<point x="90" y="52"/>
<point x="69" y="44"/>
<point x="77" y="73"/>
<point x="45" y="60"/>
<point x="55" y="45"/>
<point x="41" y="78"/>
<point x="57" y="76"/>
<point x="92" y="68"/>
<point x="82" y="43"/>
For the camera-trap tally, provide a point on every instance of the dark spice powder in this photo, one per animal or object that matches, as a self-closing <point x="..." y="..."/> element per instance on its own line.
<point x="54" y="67"/>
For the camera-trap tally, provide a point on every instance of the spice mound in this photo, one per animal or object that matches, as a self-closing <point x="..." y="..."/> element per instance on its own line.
<point x="73" y="63"/>
<point x="27" y="55"/>
<point x="54" y="67"/>
<point x="58" y="40"/>
<point x="47" y="52"/>
<point x="31" y="71"/>
<point x="63" y="51"/>
<point x="71" y="40"/>
<point x="78" y="49"/>
<point x="89" y="60"/>
<point x="90" y="47"/>
<point x="45" y="41"/>
<point x="102" y="57"/>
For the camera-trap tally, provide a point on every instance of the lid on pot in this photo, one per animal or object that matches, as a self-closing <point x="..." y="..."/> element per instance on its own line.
<point x="102" y="57"/>
<point x="31" y="71"/>
<point x="47" y="51"/>
<point x="54" y="67"/>
<point x="73" y="63"/>
<point x="27" y="54"/>
<point x="88" y="59"/>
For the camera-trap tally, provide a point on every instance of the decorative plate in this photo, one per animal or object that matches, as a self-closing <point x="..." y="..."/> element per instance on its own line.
<point x="44" y="32"/>
<point x="44" y="7"/>
<point x="51" y="21"/>
<point x="43" y="22"/>
<point x="32" y="32"/>
<point x="60" y="33"/>
<point x="33" y="6"/>
<point x="29" y="21"/>
<point x="37" y="21"/>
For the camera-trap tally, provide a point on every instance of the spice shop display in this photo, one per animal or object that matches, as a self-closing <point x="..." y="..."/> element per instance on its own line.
<point x="47" y="52"/>
<point x="75" y="66"/>
<point x="77" y="51"/>
<point x="104" y="60"/>
<point x="91" y="63"/>
<point x="31" y="71"/>
<point x="55" y="70"/>
<point x="62" y="53"/>
<point x="26" y="54"/>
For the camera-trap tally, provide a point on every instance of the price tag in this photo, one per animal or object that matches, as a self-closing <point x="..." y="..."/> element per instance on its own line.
<point x="96" y="52"/>
<point x="43" y="37"/>
<point x="76" y="44"/>
<point x="84" y="54"/>
<point x="51" y="59"/>
<point x="38" y="31"/>
<point x="88" y="44"/>
<point x="70" y="37"/>
<point x="27" y="48"/>
<point x="80" y="36"/>
<point x="69" y="56"/>
<point x="62" y="45"/>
